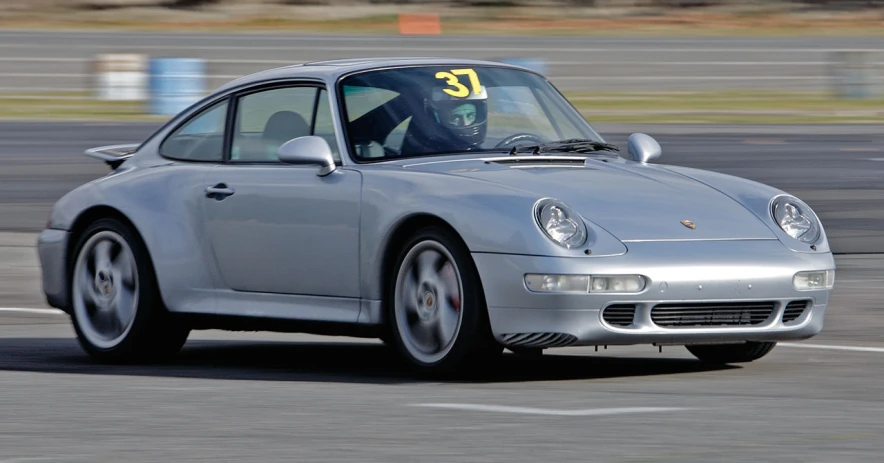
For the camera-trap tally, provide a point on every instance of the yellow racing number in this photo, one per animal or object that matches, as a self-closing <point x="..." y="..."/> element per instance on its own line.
<point x="461" y="90"/>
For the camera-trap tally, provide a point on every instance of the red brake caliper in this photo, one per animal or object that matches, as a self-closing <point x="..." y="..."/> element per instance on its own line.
<point x="448" y="270"/>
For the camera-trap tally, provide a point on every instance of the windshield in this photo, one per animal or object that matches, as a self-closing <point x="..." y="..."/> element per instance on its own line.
<point x="432" y="110"/>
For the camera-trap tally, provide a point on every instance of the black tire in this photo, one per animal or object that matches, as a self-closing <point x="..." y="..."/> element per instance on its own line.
<point x="731" y="353"/>
<point x="473" y="346"/>
<point x="153" y="333"/>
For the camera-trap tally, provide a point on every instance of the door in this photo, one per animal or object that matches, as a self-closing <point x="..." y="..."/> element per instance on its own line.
<point x="280" y="228"/>
<point x="183" y="259"/>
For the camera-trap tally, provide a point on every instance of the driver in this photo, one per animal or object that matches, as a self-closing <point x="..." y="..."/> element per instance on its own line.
<point x="465" y="118"/>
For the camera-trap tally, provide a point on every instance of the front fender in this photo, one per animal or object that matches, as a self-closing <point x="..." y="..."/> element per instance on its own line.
<point x="490" y="218"/>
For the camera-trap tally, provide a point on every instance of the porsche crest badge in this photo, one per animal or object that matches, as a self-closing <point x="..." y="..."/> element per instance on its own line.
<point x="689" y="224"/>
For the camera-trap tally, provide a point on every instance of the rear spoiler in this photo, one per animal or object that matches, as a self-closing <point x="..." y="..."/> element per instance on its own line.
<point x="113" y="155"/>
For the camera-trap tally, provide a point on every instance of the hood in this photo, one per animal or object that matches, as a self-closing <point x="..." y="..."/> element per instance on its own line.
<point x="631" y="201"/>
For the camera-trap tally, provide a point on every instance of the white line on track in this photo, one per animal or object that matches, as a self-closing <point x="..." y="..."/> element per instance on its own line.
<point x="22" y="460"/>
<point x="176" y="389"/>
<point x="51" y="59"/>
<point x="879" y="350"/>
<point x="42" y="75"/>
<point x="69" y="34"/>
<point x="651" y="78"/>
<point x="434" y="47"/>
<point x="548" y="411"/>
<point x="34" y="311"/>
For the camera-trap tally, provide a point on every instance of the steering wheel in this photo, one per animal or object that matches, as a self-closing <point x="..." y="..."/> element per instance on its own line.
<point x="515" y="138"/>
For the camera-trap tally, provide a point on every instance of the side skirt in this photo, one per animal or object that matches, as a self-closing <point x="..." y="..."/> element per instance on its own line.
<point x="278" y="325"/>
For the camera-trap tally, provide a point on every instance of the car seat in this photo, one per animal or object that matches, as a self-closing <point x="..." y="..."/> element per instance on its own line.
<point x="281" y="127"/>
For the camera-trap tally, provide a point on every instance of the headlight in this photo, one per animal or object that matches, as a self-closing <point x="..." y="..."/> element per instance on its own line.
<point x="626" y="284"/>
<point x="796" y="219"/>
<point x="806" y="281"/>
<point x="560" y="223"/>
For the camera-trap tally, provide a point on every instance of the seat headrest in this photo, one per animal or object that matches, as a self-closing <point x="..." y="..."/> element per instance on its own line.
<point x="284" y="126"/>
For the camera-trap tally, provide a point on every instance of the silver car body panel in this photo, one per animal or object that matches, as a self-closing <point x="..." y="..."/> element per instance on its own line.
<point x="294" y="245"/>
<point x="300" y="229"/>
<point x="682" y="272"/>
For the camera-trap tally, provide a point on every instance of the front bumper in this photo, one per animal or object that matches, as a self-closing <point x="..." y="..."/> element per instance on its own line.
<point x="693" y="276"/>
<point x="52" y="251"/>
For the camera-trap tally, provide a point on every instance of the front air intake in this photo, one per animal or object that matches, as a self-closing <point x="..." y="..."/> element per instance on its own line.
<point x="689" y="315"/>
<point x="619" y="314"/>
<point x="794" y="310"/>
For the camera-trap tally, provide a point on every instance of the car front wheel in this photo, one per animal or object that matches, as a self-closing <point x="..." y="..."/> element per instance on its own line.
<point x="437" y="312"/>
<point x="116" y="309"/>
<point x="731" y="353"/>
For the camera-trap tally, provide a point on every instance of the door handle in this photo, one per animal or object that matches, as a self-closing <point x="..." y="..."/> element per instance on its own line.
<point x="219" y="191"/>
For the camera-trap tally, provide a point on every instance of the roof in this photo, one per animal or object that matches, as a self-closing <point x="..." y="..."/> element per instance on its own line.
<point x="331" y="70"/>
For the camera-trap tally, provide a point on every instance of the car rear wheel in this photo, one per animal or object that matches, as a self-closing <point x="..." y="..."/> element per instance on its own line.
<point x="732" y="353"/>
<point x="436" y="308"/>
<point x="116" y="309"/>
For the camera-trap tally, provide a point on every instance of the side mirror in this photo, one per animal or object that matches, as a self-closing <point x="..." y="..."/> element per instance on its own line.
<point x="309" y="150"/>
<point x="643" y="148"/>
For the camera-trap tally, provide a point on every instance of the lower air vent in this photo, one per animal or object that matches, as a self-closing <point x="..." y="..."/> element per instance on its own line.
<point x="794" y="311"/>
<point x="539" y="339"/>
<point x="619" y="314"/>
<point x="711" y="314"/>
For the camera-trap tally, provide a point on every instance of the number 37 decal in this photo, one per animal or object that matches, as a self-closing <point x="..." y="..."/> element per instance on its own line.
<point x="460" y="90"/>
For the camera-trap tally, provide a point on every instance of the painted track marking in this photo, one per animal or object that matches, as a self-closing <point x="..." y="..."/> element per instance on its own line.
<point x="879" y="350"/>
<point x="34" y="311"/>
<point x="548" y="411"/>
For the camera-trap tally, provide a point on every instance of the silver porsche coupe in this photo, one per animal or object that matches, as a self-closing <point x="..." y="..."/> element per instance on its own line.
<point x="452" y="208"/>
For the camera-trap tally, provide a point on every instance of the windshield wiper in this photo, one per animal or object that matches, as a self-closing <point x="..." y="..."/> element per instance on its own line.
<point x="572" y="145"/>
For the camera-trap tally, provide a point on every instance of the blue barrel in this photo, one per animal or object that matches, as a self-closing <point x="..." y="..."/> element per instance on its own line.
<point x="534" y="64"/>
<point x="175" y="84"/>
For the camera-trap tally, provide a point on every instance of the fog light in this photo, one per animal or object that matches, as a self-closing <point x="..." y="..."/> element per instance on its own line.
<point x="585" y="283"/>
<point x="617" y="284"/>
<point x="821" y="279"/>
<point x="558" y="283"/>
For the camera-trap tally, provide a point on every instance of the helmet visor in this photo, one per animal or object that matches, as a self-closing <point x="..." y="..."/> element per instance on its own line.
<point x="461" y="114"/>
<point x="455" y="112"/>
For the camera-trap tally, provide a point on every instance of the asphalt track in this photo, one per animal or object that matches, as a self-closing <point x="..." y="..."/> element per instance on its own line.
<point x="259" y="398"/>
<point x="281" y="397"/>
<point x="276" y="397"/>
<point x="62" y="60"/>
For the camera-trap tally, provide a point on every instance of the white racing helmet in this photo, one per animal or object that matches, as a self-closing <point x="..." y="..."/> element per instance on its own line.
<point x="465" y="117"/>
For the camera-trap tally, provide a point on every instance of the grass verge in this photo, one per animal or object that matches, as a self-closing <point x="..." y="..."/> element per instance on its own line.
<point x="752" y="20"/>
<point x="71" y="105"/>
<point x="734" y="106"/>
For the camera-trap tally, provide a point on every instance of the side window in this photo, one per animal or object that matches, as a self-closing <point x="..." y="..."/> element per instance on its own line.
<point x="267" y="119"/>
<point x="199" y="139"/>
